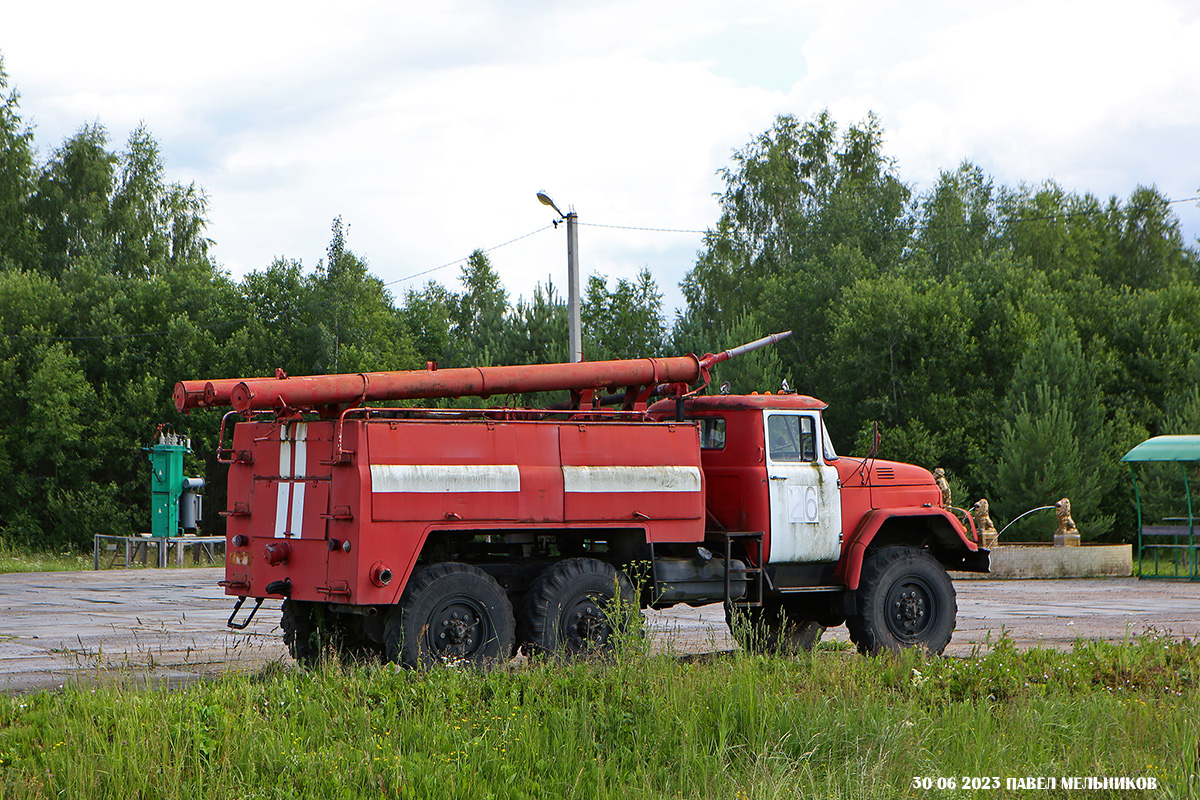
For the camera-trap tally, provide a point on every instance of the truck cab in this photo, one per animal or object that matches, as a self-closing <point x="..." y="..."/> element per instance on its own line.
<point x="771" y="468"/>
<point x="813" y="521"/>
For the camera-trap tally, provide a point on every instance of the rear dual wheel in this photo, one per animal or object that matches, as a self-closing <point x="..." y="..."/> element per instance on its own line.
<point x="312" y="632"/>
<point x="303" y="632"/>
<point x="450" y="613"/>
<point x="457" y="613"/>
<point x="575" y="607"/>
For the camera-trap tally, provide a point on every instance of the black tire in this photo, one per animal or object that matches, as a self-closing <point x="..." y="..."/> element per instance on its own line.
<point x="302" y="632"/>
<point x="312" y="632"/>
<point x="905" y="599"/>
<point x="773" y="628"/>
<point x="450" y="612"/>
<point x="569" y="609"/>
<point x="352" y="643"/>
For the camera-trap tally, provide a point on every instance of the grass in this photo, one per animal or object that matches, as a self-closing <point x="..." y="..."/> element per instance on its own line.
<point x="15" y="558"/>
<point x="1164" y="569"/>
<point x="21" y="559"/>
<point x="826" y="724"/>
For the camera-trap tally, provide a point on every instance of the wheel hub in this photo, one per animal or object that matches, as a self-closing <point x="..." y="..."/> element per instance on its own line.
<point x="912" y="608"/>
<point x="588" y="624"/>
<point x="457" y="631"/>
<point x="910" y="611"/>
<point x="584" y="625"/>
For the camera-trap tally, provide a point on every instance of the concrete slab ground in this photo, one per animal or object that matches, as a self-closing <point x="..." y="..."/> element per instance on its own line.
<point x="168" y="625"/>
<point x="142" y="624"/>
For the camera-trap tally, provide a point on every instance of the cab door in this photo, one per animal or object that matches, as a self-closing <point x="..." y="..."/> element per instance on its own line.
<point x="805" y="501"/>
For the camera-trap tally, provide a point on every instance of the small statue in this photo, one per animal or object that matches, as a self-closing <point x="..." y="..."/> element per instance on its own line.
<point x="1067" y="534"/>
<point x="983" y="523"/>
<point x="939" y="477"/>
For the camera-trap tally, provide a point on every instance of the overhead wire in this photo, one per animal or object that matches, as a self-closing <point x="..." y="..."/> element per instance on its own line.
<point x="638" y="228"/>
<point x="467" y="258"/>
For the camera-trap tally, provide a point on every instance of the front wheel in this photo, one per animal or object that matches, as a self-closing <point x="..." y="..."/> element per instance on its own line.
<point x="905" y="599"/>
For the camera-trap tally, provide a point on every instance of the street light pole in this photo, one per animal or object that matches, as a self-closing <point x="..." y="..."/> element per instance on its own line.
<point x="574" y="334"/>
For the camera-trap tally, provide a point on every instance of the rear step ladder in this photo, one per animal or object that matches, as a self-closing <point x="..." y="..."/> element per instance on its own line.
<point x="754" y="592"/>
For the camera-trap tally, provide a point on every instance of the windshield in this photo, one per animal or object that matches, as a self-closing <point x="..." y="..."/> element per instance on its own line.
<point x="827" y="443"/>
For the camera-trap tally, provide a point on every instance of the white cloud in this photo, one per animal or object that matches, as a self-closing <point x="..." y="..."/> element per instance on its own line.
<point x="429" y="127"/>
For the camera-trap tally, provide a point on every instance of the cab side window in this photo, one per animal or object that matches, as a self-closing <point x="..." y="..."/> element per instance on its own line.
<point x="712" y="433"/>
<point x="791" y="438"/>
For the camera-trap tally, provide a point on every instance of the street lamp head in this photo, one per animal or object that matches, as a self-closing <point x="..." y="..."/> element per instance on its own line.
<point x="546" y="201"/>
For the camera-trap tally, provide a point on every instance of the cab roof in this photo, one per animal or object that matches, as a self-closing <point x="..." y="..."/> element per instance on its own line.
<point x="743" y="402"/>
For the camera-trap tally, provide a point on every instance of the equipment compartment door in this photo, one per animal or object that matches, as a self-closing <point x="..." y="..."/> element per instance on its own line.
<point x="806" y="510"/>
<point x="645" y="474"/>
<point x="444" y="471"/>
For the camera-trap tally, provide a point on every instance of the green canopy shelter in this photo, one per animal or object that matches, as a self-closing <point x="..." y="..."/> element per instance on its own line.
<point x="1175" y="538"/>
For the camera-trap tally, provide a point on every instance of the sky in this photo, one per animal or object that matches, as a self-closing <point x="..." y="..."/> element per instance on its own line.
<point x="429" y="128"/>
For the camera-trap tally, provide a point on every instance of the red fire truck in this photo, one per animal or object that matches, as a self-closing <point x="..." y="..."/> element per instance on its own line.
<point x="427" y="534"/>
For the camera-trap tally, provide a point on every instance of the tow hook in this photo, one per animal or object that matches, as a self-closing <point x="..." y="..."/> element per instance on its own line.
<point x="282" y="588"/>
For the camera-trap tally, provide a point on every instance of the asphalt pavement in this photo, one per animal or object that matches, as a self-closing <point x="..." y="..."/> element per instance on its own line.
<point x="167" y="626"/>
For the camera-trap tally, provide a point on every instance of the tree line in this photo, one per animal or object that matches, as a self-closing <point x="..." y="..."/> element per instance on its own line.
<point x="1023" y="338"/>
<point x="1020" y="337"/>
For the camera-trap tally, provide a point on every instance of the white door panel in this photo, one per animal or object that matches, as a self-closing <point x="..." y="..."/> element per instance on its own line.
<point x="806" y="508"/>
